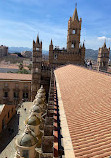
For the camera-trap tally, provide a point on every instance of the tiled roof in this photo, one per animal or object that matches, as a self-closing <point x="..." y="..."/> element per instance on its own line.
<point x="86" y="97"/>
<point x="14" y="76"/>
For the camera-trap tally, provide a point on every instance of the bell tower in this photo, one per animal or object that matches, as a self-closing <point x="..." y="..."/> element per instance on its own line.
<point x="36" y="67"/>
<point x="103" y="58"/>
<point x="74" y="30"/>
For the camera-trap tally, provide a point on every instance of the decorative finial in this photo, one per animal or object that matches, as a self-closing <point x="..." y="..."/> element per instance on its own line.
<point x="51" y="42"/>
<point x="76" y="5"/>
<point x="104" y="44"/>
<point x="84" y="43"/>
<point x="41" y="87"/>
<point x="37" y="38"/>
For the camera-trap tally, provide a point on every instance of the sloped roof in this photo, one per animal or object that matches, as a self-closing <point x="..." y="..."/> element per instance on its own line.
<point x="86" y="97"/>
<point x="14" y="76"/>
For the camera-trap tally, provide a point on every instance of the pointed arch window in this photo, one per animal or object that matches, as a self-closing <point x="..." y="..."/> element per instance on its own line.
<point x="73" y="45"/>
<point x="73" y="31"/>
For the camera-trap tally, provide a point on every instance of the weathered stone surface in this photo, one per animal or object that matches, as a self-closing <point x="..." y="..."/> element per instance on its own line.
<point x="50" y="107"/>
<point x="46" y="155"/>
<point x="47" y="144"/>
<point x="50" y="113"/>
<point x="48" y="130"/>
<point x="49" y="121"/>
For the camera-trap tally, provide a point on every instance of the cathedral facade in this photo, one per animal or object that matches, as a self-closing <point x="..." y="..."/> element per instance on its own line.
<point x="73" y="54"/>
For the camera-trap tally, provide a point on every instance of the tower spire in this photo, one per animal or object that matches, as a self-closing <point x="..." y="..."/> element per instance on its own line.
<point x="37" y="41"/>
<point x="51" y="42"/>
<point x="104" y="44"/>
<point x="75" y="14"/>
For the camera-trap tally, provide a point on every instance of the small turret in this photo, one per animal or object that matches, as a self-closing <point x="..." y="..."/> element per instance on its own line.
<point x="41" y="43"/>
<point x="51" y="42"/>
<point x="50" y="51"/>
<point x="83" y="45"/>
<point x="33" y="42"/>
<point x="104" y="46"/>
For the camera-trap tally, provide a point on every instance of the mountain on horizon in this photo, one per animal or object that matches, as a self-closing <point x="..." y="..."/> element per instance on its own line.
<point x="21" y="49"/>
<point x="90" y="53"/>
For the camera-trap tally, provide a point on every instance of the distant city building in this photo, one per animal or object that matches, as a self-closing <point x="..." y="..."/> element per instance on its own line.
<point x="14" y="88"/>
<point x="14" y="55"/>
<point x="3" y="51"/>
<point x="26" y="54"/>
<point x="27" y="62"/>
<point x="3" y="62"/>
<point x="103" y="58"/>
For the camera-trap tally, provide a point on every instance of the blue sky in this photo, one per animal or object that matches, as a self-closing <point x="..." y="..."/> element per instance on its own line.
<point x="22" y="20"/>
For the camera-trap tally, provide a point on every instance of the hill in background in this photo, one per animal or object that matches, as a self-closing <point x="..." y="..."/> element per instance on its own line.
<point x="90" y="53"/>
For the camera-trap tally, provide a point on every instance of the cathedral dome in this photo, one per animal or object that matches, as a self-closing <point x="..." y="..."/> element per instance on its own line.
<point x="28" y="139"/>
<point x="38" y="101"/>
<point x="36" y="109"/>
<point x="40" y="95"/>
<point x="33" y="120"/>
<point x="41" y="90"/>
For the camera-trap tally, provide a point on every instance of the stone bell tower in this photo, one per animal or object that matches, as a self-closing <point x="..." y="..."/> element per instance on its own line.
<point x="103" y="58"/>
<point x="74" y="30"/>
<point x="36" y="68"/>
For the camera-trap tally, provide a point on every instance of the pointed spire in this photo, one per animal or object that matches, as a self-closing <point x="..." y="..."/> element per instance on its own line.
<point x="33" y="42"/>
<point x="75" y="14"/>
<point x="51" y="42"/>
<point x="104" y="46"/>
<point x="37" y="41"/>
<point x="84" y="43"/>
<point x="41" y="43"/>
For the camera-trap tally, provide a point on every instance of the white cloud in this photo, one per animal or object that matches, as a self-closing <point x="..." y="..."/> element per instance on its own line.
<point x="103" y="38"/>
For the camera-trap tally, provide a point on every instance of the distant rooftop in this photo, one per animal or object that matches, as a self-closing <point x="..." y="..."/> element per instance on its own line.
<point x="14" y="76"/>
<point x="86" y="99"/>
<point x="2" y="46"/>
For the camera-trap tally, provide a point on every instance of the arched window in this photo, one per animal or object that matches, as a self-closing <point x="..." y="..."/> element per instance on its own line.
<point x="73" y="45"/>
<point x="55" y="56"/>
<point x="73" y="31"/>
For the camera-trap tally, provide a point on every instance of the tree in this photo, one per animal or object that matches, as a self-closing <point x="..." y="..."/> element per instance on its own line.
<point x="20" y="66"/>
<point x="30" y="67"/>
<point x="23" y="71"/>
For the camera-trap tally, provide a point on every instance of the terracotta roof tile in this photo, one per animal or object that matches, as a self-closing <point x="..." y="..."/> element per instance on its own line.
<point x="14" y="76"/>
<point x="86" y="97"/>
